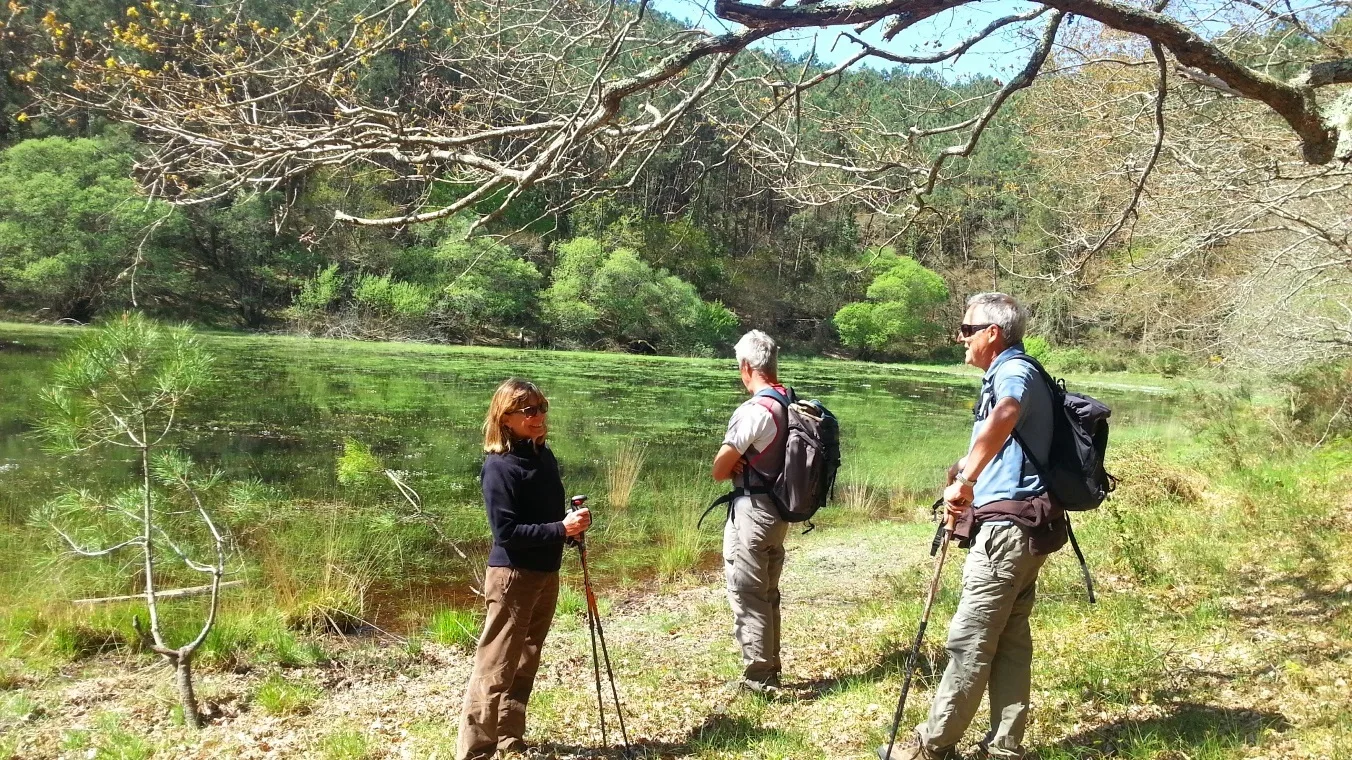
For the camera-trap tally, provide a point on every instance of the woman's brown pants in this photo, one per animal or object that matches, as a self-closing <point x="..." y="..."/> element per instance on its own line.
<point x="520" y="609"/>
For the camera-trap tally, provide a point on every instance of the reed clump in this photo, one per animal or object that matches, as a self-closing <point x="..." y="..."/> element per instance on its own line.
<point x="622" y="473"/>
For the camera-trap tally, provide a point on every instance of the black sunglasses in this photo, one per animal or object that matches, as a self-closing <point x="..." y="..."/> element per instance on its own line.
<point x="535" y="410"/>
<point x="968" y="331"/>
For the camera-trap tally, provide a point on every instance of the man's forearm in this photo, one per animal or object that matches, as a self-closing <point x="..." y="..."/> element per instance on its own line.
<point x="725" y="462"/>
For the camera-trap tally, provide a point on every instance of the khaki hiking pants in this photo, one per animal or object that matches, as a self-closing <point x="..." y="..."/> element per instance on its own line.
<point x="990" y="646"/>
<point x="753" y="560"/>
<point x="520" y="609"/>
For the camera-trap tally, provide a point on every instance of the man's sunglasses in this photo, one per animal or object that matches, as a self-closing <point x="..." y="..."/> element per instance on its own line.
<point x="968" y="331"/>
<point x="534" y="410"/>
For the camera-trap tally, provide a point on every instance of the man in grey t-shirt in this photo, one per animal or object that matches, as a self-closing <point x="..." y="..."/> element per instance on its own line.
<point x="752" y="457"/>
<point x="990" y="645"/>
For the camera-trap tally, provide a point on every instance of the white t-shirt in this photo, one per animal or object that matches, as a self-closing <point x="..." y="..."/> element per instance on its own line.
<point x="751" y="425"/>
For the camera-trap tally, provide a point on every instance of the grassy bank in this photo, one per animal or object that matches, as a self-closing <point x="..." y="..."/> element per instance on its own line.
<point x="1224" y="630"/>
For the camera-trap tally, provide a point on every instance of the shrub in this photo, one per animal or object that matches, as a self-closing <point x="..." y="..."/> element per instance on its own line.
<point x="1169" y="362"/>
<point x="899" y="314"/>
<point x="357" y="466"/>
<point x="320" y="292"/>
<point x="388" y="297"/>
<point x="1320" y="401"/>
<point x="1037" y="347"/>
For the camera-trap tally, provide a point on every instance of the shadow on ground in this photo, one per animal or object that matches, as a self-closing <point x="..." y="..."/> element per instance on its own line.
<point x="1188" y="726"/>
<point x="929" y="665"/>
<point x="718" y="733"/>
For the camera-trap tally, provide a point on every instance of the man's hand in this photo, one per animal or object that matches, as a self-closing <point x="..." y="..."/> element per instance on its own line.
<point x="957" y="497"/>
<point x="576" y="522"/>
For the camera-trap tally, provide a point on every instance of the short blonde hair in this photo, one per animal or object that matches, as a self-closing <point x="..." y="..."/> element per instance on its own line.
<point x="514" y="394"/>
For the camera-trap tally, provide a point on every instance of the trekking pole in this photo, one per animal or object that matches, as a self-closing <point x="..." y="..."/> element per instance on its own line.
<point x="597" y="633"/>
<point x="941" y="550"/>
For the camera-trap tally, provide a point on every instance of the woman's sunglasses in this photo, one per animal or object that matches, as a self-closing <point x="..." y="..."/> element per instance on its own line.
<point x="968" y="331"/>
<point x="535" y="410"/>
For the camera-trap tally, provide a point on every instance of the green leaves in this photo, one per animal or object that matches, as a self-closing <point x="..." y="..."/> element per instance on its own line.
<point x="123" y="384"/>
<point x="72" y="225"/>
<point x="618" y="296"/>
<point x="901" y="313"/>
<point x="357" y="467"/>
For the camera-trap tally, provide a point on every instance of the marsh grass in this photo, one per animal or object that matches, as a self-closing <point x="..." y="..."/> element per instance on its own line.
<point x="452" y="627"/>
<point x="681" y="545"/>
<point x="256" y="634"/>
<point x="860" y="499"/>
<point x="278" y="695"/>
<point x="622" y="473"/>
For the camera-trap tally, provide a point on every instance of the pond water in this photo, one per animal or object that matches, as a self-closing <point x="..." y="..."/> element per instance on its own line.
<point x="283" y="407"/>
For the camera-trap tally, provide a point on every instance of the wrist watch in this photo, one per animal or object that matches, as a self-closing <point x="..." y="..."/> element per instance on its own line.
<point x="963" y="480"/>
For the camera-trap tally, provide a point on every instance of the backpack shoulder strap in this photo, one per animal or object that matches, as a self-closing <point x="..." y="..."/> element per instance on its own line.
<point x="770" y="392"/>
<point x="1052" y="384"/>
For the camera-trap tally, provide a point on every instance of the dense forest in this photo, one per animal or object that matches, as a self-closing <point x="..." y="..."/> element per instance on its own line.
<point x="1230" y="254"/>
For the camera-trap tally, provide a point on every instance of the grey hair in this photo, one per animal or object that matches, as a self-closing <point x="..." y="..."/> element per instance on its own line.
<point x="758" y="351"/>
<point x="1004" y="312"/>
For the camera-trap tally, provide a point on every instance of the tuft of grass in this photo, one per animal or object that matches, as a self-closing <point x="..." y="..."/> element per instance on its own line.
<point x="347" y="744"/>
<point x="113" y="742"/>
<point x="455" y="628"/>
<point x="859" y="498"/>
<point x="16" y="707"/>
<point x="238" y="642"/>
<point x="622" y="473"/>
<point x="280" y="696"/>
<point x="74" y="739"/>
<point x="76" y="641"/>
<point x="680" y="544"/>
<point x="571" y="601"/>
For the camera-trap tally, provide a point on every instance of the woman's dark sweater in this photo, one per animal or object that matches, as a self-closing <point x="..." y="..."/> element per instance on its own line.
<point x="524" y="497"/>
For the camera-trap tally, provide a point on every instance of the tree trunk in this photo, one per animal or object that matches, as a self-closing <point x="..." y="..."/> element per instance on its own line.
<point x="183" y="677"/>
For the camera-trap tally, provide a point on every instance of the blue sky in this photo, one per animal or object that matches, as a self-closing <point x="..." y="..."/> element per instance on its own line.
<point x="999" y="56"/>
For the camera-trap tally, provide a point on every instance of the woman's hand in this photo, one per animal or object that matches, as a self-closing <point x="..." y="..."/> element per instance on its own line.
<point x="576" y="522"/>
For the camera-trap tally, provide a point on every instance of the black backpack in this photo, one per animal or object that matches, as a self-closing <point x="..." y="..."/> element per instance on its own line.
<point x="1074" y="474"/>
<point x="811" y="459"/>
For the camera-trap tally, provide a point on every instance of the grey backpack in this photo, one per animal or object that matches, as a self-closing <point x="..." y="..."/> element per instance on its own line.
<point x="811" y="441"/>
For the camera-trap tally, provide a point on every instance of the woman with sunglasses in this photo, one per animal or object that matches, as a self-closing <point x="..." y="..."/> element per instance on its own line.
<point x="525" y="500"/>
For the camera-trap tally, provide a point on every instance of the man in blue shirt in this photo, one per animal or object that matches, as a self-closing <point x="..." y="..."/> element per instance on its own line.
<point x="990" y="645"/>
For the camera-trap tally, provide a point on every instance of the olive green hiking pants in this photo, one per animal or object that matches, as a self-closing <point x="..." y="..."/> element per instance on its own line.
<point x="753" y="560"/>
<point x="520" y="608"/>
<point x="990" y="646"/>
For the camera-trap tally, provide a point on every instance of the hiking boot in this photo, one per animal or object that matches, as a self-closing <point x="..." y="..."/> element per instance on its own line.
<point x="912" y="749"/>
<point x="768" y="688"/>
<point x="983" y="752"/>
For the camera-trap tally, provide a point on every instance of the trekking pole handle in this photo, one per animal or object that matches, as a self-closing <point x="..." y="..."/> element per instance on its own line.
<point x="574" y="504"/>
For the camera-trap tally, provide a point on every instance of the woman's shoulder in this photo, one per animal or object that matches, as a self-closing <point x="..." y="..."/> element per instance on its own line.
<point x="496" y="462"/>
